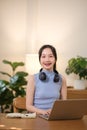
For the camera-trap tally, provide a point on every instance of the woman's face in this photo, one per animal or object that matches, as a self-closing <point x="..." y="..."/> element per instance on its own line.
<point x="47" y="59"/>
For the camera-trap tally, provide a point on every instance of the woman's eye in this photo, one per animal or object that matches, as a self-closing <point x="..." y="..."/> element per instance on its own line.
<point x="51" y="56"/>
<point x="43" y="56"/>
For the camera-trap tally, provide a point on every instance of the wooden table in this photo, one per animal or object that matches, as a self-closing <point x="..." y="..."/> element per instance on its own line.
<point x="41" y="124"/>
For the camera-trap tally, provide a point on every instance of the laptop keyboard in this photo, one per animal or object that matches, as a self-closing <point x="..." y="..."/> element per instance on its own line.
<point x="44" y="116"/>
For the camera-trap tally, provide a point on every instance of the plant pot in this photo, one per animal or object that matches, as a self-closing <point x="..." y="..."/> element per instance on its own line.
<point x="79" y="84"/>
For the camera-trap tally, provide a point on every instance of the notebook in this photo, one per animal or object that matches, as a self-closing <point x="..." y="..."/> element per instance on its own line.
<point x="67" y="109"/>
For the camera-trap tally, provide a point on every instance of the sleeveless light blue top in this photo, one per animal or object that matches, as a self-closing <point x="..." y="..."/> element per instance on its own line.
<point x="46" y="92"/>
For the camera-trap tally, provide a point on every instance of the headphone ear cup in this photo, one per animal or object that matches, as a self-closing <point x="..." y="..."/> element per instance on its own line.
<point x="56" y="78"/>
<point x="42" y="76"/>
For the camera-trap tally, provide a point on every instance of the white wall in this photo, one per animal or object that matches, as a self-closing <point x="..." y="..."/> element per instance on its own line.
<point x="26" y="23"/>
<point x="13" y="19"/>
<point x="62" y="24"/>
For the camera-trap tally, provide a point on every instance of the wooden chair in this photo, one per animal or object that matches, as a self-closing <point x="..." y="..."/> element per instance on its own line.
<point x="19" y="103"/>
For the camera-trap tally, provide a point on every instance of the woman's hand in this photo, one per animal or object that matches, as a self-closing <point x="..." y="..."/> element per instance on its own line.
<point x="45" y="112"/>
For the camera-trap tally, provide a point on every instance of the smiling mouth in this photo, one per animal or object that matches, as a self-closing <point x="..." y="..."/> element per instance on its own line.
<point x="47" y="64"/>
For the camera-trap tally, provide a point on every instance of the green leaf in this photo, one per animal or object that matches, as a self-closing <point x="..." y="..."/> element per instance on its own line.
<point x="77" y="66"/>
<point x="22" y="74"/>
<point x="14" y="65"/>
<point x="3" y="85"/>
<point x="6" y="97"/>
<point x="7" y="62"/>
<point x="17" y="64"/>
<point x="4" y="73"/>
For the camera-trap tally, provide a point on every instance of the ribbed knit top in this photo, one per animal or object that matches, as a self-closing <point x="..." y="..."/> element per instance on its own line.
<point x="46" y="92"/>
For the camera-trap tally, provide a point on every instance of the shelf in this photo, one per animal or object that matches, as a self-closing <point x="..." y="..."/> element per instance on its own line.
<point x="76" y="94"/>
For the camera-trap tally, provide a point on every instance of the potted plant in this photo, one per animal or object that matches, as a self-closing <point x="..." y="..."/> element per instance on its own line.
<point x="78" y="66"/>
<point x="12" y="88"/>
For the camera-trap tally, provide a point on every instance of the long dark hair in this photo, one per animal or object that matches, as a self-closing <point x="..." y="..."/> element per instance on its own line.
<point x="53" y="51"/>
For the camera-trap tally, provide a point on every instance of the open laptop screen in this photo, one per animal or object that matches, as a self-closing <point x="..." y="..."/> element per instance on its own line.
<point x="68" y="109"/>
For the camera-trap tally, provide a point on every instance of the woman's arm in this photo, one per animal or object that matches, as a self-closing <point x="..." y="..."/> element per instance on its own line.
<point x="63" y="89"/>
<point x="30" y="97"/>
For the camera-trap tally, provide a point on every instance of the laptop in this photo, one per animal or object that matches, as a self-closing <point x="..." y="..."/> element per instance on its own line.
<point x="67" y="109"/>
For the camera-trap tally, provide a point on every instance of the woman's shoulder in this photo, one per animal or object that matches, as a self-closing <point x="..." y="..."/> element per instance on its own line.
<point x="62" y="77"/>
<point x="36" y="75"/>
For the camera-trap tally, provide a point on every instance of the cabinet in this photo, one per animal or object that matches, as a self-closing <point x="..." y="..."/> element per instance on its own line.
<point x="76" y="94"/>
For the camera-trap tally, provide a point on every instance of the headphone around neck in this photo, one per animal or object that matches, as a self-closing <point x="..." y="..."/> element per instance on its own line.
<point x="43" y="76"/>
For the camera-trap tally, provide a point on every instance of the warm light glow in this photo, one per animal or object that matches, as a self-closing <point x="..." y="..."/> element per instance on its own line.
<point x="15" y="128"/>
<point x="32" y="63"/>
<point x="2" y="125"/>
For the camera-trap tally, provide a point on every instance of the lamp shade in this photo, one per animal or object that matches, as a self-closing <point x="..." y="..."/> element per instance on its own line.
<point x="32" y="63"/>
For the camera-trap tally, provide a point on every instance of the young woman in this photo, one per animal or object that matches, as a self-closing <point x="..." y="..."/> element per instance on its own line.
<point x="46" y="86"/>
